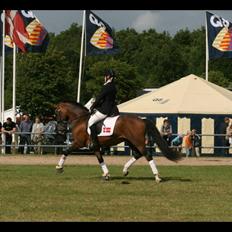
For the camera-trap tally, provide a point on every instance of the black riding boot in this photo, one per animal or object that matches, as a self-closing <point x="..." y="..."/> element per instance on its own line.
<point x="94" y="144"/>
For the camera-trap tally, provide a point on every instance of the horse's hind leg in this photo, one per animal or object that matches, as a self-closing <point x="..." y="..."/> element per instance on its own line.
<point x="154" y="169"/>
<point x="130" y="162"/>
<point x="139" y="153"/>
<point x="103" y="166"/>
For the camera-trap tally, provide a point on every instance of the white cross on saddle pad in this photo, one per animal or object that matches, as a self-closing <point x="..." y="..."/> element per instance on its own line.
<point x="108" y="126"/>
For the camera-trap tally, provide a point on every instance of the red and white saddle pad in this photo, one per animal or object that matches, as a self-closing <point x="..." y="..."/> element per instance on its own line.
<point x="108" y="126"/>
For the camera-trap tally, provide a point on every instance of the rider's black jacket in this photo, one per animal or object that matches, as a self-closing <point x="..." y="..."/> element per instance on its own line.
<point x="106" y="100"/>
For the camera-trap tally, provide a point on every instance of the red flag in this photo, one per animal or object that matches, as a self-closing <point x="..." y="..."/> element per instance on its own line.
<point x="16" y="29"/>
<point x="26" y="31"/>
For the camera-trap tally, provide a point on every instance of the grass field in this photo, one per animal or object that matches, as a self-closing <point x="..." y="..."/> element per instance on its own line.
<point x="37" y="193"/>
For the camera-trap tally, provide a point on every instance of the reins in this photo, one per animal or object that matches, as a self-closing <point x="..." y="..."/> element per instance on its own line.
<point x="78" y="118"/>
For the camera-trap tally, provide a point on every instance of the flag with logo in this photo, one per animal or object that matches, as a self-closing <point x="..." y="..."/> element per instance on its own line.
<point x="1" y="32"/>
<point x="219" y="32"/>
<point x="26" y="31"/>
<point x="99" y="36"/>
<point x="8" y="41"/>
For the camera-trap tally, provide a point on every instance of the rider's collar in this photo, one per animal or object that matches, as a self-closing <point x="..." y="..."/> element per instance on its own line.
<point x="108" y="81"/>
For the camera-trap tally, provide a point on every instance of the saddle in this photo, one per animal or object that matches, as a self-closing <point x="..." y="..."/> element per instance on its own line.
<point x="106" y="126"/>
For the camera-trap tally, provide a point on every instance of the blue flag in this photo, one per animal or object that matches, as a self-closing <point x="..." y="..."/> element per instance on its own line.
<point x="99" y="36"/>
<point x="219" y="36"/>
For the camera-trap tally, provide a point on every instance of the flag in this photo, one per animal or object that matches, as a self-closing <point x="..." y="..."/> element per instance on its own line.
<point x="219" y="32"/>
<point x="1" y="32"/>
<point x="8" y="41"/>
<point x="26" y="31"/>
<point x="99" y="38"/>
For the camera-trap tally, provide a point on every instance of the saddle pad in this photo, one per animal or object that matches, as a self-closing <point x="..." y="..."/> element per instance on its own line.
<point x="108" y="126"/>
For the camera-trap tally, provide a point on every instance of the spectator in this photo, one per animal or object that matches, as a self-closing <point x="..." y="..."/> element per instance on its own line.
<point x="196" y="142"/>
<point x="177" y="142"/>
<point x="25" y="136"/>
<point x="224" y="139"/>
<point x="61" y="135"/>
<point x="17" y="136"/>
<point x="187" y="144"/>
<point x="8" y="128"/>
<point x="36" y="136"/>
<point x="0" y="134"/>
<point x="229" y="136"/>
<point x="166" y="131"/>
<point x="50" y="130"/>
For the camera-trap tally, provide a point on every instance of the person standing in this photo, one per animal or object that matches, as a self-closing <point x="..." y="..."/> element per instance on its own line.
<point x="196" y="142"/>
<point x="0" y="136"/>
<point x="229" y="136"/>
<point x="8" y="128"/>
<point x="187" y="144"/>
<point x="36" y="135"/>
<point x="224" y="139"/>
<point x="166" y="131"/>
<point x="25" y="136"/>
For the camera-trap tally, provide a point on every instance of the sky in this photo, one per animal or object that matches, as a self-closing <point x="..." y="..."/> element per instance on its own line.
<point x="160" y="20"/>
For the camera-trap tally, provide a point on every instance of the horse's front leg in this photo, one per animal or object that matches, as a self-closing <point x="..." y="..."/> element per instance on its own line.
<point x="60" y="166"/>
<point x="102" y="164"/>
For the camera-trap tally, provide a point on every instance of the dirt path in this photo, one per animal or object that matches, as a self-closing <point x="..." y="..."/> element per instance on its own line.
<point x="116" y="160"/>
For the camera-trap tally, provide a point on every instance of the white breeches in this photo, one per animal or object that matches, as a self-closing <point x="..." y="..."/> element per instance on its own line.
<point x="94" y="118"/>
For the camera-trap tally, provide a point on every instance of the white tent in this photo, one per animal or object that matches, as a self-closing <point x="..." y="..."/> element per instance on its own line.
<point x="190" y="102"/>
<point x="188" y="95"/>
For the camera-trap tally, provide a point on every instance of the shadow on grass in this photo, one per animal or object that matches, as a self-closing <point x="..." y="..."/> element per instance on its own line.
<point x="164" y="179"/>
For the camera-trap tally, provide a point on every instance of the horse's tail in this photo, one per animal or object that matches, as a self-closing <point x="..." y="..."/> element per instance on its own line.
<point x="154" y="135"/>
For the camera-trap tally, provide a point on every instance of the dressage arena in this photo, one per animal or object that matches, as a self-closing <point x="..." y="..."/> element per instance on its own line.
<point x="109" y="160"/>
<point x="194" y="189"/>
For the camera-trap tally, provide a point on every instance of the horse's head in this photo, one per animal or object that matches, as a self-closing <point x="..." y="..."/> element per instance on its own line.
<point x="68" y="111"/>
<point x="61" y="112"/>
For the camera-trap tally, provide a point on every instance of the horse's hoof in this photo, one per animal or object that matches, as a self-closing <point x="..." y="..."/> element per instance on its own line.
<point x="106" y="176"/>
<point x="125" y="172"/>
<point x="59" y="169"/>
<point x="157" y="179"/>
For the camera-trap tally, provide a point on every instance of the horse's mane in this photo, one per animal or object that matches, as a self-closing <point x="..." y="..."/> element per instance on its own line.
<point x="76" y="104"/>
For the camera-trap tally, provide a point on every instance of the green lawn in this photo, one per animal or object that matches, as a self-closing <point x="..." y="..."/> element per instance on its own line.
<point x="37" y="193"/>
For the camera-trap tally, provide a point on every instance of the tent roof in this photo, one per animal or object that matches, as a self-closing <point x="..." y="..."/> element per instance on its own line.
<point x="188" y="95"/>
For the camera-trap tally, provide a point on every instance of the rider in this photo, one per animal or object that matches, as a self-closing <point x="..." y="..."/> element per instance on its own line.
<point x="104" y="105"/>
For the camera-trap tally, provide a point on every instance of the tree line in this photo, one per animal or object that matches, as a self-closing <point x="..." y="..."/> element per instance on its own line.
<point x="146" y="60"/>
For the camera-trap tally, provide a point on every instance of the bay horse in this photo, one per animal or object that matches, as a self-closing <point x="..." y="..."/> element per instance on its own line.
<point x="135" y="131"/>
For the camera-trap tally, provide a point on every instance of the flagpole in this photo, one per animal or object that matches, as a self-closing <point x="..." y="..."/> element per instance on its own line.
<point x="1" y="88"/>
<point x="14" y="83"/>
<point x="3" y="65"/>
<point x="81" y="57"/>
<point x="206" y="51"/>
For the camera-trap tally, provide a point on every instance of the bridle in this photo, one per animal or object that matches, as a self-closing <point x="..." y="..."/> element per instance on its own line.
<point x="73" y="121"/>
